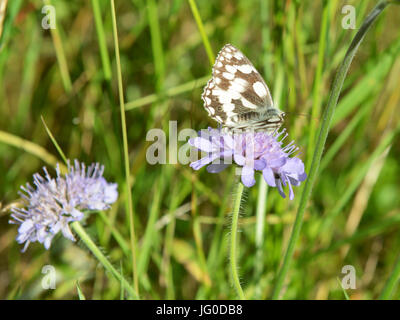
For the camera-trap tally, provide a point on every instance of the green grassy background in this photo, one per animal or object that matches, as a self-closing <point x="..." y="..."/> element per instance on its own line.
<point x="69" y="77"/>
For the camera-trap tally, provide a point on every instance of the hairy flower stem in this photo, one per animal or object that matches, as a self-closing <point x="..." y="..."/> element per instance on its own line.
<point x="77" y="227"/>
<point x="233" y="241"/>
<point x="260" y="226"/>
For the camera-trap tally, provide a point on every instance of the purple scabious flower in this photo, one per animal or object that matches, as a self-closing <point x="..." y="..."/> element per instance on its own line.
<point x="252" y="151"/>
<point x="52" y="203"/>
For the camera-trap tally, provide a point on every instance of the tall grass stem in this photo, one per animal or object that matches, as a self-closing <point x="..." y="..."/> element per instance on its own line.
<point x="325" y="125"/>
<point x="391" y="282"/>
<point x="60" y="54"/>
<point x="203" y="34"/>
<point x="105" y="60"/>
<point x="126" y="153"/>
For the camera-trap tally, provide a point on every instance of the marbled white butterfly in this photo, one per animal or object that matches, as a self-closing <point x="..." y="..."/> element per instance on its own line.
<point x="237" y="97"/>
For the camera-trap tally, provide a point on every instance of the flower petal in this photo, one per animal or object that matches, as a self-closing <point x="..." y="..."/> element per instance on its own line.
<point x="110" y="192"/>
<point x="269" y="178"/>
<point x="291" y="193"/>
<point x="26" y="226"/>
<point x="66" y="231"/>
<point x="239" y="159"/>
<point x="302" y="177"/>
<point x="201" y="144"/>
<point x="216" y="168"/>
<point x="294" y="165"/>
<point x="277" y="162"/>
<point x="196" y="165"/>
<point x="47" y="242"/>
<point x="280" y="189"/>
<point x="229" y="141"/>
<point x="248" y="176"/>
<point x="259" y="164"/>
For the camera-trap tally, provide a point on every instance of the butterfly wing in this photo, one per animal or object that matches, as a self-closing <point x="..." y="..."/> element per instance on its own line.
<point x="236" y="89"/>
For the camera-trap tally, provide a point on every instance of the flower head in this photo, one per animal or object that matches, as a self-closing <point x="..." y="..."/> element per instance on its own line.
<point x="252" y="151"/>
<point x="52" y="203"/>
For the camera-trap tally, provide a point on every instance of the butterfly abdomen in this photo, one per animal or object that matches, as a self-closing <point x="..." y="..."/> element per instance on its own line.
<point x="268" y="120"/>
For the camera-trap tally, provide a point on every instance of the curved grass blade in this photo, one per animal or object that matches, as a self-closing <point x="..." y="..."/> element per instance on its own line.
<point x="325" y="125"/>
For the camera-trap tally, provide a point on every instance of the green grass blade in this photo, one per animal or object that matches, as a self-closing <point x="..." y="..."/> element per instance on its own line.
<point x="391" y="282"/>
<point x="76" y="226"/>
<point x="316" y="107"/>
<point x="101" y="37"/>
<point x="156" y="43"/>
<point x="356" y="181"/>
<point x="29" y="147"/>
<point x="60" y="54"/>
<point x="150" y="234"/>
<point x="81" y="296"/>
<point x="129" y="203"/>
<point x="54" y="141"/>
<point x="343" y="289"/>
<point x="203" y="34"/>
<point x="327" y="118"/>
<point x="168" y="93"/>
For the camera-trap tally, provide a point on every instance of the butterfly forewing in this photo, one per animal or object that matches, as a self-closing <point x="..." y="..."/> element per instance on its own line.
<point x="237" y="96"/>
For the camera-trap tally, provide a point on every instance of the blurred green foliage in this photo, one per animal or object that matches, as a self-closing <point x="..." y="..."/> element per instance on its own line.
<point x="68" y="76"/>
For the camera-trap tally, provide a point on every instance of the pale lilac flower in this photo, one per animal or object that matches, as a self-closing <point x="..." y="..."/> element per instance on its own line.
<point x="253" y="151"/>
<point x="52" y="203"/>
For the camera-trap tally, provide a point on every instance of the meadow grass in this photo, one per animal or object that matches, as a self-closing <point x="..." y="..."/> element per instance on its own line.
<point x="103" y="78"/>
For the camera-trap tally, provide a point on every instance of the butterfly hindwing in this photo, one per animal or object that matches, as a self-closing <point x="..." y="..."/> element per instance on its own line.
<point x="236" y="93"/>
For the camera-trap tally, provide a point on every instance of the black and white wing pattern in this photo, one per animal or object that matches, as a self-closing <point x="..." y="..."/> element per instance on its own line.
<point x="237" y="97"/>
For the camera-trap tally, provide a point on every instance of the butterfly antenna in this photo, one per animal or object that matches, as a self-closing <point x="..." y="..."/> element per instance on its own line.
<point x="303" y="115"/>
